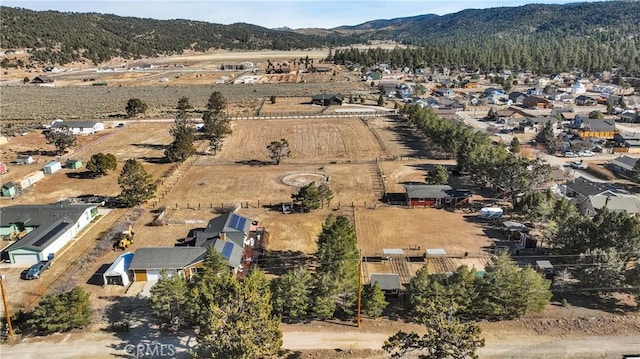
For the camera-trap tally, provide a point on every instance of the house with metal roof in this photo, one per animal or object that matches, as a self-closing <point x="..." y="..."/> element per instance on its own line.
<point x="229" y="234"/>
<point x="620" y="203"/>
<point x="424" y="195"/>
<point x="149" y="262"/>
<point x="581" y="188"/>
<point x="622" y="165"/>
<point x="79" y="127"/>
<point x="40" y="230"/>
<point x="593" y="127"/>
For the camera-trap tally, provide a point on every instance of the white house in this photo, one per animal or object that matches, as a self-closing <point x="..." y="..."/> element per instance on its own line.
<point x="79" y="127"/>
<point x="41" y="229"/>
<point x="578" y="88"/>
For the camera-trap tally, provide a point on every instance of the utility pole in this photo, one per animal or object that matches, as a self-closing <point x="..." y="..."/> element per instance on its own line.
<point x="6" y="307"/>
<point x="359" y="285"/>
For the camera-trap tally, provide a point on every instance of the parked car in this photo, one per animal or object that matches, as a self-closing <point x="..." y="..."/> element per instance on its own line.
<point x="586" y="153"/>
<point x="35" y="270"/>
<point x="570" y="154"/>
<point x="578" y="165"/>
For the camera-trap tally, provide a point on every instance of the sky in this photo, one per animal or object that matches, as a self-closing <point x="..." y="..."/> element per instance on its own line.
<point x="271" y="13"/>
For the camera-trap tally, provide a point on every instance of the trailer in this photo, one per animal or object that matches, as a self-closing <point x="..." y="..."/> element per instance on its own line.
<point x="492" y="213"/>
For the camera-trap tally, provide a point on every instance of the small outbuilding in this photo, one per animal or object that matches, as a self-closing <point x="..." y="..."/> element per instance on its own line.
<point x="73" y="164"/>
<point x="118" y="272"/>
<point x="3" y="168"/>
<point x="52" y="167"/>
<point x="388" y="282"/>
<point x="9" y="189"/>
<point x="25" y="160"/>
<point x="327" y="99"/>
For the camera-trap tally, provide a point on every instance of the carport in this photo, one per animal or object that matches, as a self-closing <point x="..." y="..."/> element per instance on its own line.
<point x="118" y="272"/>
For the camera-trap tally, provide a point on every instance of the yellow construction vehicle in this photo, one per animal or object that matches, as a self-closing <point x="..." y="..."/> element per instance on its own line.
<point x="124" y="240"/>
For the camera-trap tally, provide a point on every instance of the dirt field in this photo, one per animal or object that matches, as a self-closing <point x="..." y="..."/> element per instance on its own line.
<point x="398" y="227"/>
<point x="144" y="142"/>
<point x="310" y="140"/>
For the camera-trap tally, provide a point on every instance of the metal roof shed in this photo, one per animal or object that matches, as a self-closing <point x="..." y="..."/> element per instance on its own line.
<point x="118" y="272"/>
<point x="388" y="282"/>
<point x="52" y="167"/>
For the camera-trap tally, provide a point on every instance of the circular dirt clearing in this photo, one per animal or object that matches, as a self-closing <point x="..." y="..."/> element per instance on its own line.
<point x="303" y="178"/>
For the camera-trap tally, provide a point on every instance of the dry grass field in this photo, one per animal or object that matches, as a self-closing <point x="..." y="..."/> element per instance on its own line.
<point x="290" y="104"/>
<point x="310" y="140"/>
<point x="398" y="227"/>
<point x="144" y="142"/>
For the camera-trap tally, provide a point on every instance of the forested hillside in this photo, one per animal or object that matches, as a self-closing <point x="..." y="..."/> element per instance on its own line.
<point x="589" y="37"/>
<point x="57" y="37"/>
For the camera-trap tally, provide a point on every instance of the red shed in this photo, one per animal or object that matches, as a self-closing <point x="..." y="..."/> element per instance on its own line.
<point x="3" y="168"/>
<point x="424" y="195"/>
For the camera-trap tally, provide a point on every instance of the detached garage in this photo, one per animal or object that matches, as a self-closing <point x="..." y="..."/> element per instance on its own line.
<point x="148" y="263"/>
<point x="118" y="272"/>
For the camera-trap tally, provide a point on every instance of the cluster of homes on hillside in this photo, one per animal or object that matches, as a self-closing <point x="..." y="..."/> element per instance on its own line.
<point x="444" y="89"/>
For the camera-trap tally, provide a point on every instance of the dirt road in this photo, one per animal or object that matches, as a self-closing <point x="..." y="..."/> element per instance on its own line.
<point x="505" y="346"/>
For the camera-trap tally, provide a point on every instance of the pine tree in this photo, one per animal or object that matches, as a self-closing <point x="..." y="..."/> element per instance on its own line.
<point x="338" y="257"/>
<point x="100" y="164"/>
<point x="373" y="300"/>
<point x="168" y="300"/>
<point x="136" y="184"/>
<point x="61" y="138"/>
<point x="237" y="322"/>
<point x="292" y="294"/>
<point x="438" y="175"/>
<point x="62" y="312"/>
<point x="217" y="124"/>
<point x="445" y="337"/>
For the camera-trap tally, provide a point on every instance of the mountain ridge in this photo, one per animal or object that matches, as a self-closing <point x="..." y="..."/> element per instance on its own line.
<point x="59" y="37"/>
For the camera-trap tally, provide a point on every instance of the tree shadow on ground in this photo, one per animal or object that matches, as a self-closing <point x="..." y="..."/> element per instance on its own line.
<point x="418" y="145"/>
<point x="155" y="160"/>
<point x="254" y="162"/>
<point x="131" y="322"/>
<point x="80" y="175"/>
<point x="96" y="278"/>
<point x="578" y="297"/>
<point x="279" y="262"/>
<point x="153" y="146"/>
<point x="398" y="307"/>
